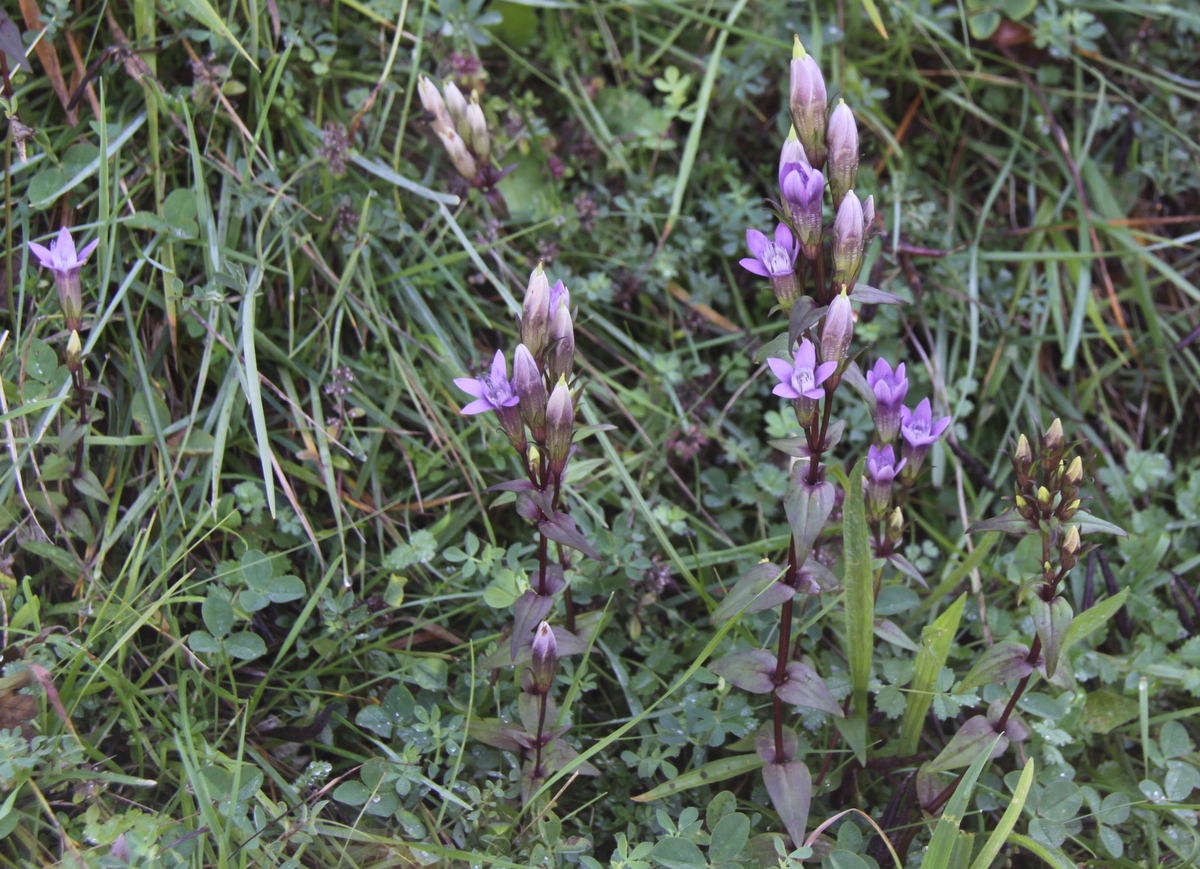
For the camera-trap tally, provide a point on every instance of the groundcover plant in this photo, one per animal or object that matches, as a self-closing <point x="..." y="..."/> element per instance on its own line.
<point x="557" y="434"/>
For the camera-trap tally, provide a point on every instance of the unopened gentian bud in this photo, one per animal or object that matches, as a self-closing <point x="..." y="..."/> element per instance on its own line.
<point x="842" y="139"/>
<point x="530" y="387"/>
<point x="560" y="353"/>
<point x="535" y="313"/>
<point x="456" y="105"/>
<point x="63" y="260"/>
<point x="808" y="104"/>
<point x="848" y="243"/>
<point x="877" y="483"/>
<point x="919" y="431"/>
<point x="74" y="352"/>
<point x="1074" y="471"/>
<point x="895" y="526"/>
<point x="1043" y="495"/>
<point x="560" y="426"/>
<point x="1052" y="445"/>
<point x="1069" y="552"/>
<point x="456" y="147"/>
<point x="837" y="331"/>
<point x="545" y="659"/>
<point x="477" y="126"/>
<point x="1022" y="461"/>
<point x="432" y="100"/>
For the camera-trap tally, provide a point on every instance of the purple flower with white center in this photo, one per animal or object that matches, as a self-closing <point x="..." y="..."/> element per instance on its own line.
<point x="801" y="379"/>
<point x="494" y="391"/>
<point x="919" y="432"/>
<point x="776" y="261"/>
<point x="882" y="468"/>
<point x="889" y="387"/>
<point x="62" y="259"/>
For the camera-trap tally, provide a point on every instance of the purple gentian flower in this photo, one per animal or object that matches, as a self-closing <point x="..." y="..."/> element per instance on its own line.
<point x="808" y="105"/>
<point x="801" y="379"/>
<point x="776" y="261"/>
<point x="919" y="432"/>
<point x="877" y="484"/>
<point x="62" y="259"/>
<point x="494" y="391"/>
<point x="889" y="387"/>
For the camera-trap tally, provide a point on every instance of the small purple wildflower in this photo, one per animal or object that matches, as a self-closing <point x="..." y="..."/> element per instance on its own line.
<point x="801" y="379"/>
<point x="803" y="190"/>
<point x="776" y="261"/>
<point x="494" y="391"/>
<point x="877" y="484"/>
<point x="919" y="432"/>
<point x="889" y="387"/>
<point x="62" y="259"/>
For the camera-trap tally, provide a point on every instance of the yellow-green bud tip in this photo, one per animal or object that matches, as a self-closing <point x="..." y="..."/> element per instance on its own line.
<point x="798" y="52"/>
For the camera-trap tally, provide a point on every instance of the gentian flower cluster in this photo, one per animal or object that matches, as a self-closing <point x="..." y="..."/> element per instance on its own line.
<point x="536" y="411"/>
<point x="813" y="268"/>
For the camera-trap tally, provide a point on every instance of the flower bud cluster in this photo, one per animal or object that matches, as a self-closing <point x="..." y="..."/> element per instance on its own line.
<point x="459" y="124"/>
<point x="1048" y="485"/>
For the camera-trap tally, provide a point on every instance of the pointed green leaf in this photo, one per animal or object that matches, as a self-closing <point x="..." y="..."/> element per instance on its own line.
<point x="860" y="589"/>
<point x="936" y="641"/>
<point x="1090" y="620"/>
<point x="710" y="773"/>
<point x="1051" y="621"/>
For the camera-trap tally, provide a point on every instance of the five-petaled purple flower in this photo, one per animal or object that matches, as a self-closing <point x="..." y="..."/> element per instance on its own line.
<point x="877" y="484"/>
<point x="801" y="379"/>
<point x="494" y="391"/>
<point x="62" y="259"/>
<point x="919" y="431"/>
<point x="889" y="387"/>
<point x="776" y="261"/>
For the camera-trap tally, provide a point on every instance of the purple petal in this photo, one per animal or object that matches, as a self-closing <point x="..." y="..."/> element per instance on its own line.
<point x="64" y="246"/>
<point x="806" y="354"/>
<point x="785" y="390"/>
<point x="939" y="427"/>
<point x="471" y="386"/>
<point x="754" y="267"/>
<point x="45" y="257"/>
<point x="499" y="368"/>
<point x="87" y="250"/>
<point x="756" y="241"/>
<point x="781" y="368"/>
<point x="824" y="371"/>
<point x="479" y="405"/>
<point x="783" y="238"/>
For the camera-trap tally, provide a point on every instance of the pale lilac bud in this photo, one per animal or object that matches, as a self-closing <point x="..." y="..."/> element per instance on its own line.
<point x="530" y="388"/>
<point x="842" y="139"/>
<point x="432" y="100"/>
<point x="838" y="330"/>
<point x="808" y="105"/>
<point x="535" y="313"/>
<point x="889" y="387"/>
<point x="877" y="484"/>
<point x="776" y="261"/>
<point x="560" y="426"/>
<point x="792" y="153"/>
<point x="459" y="155"/>
<point x="477" y="126"/>
<point x="560" y="353"/>
<point x="456" y="105"/>
<point x="63" y="260"/>
<point x="545" y="658"/>
<point x="848" y="243"/>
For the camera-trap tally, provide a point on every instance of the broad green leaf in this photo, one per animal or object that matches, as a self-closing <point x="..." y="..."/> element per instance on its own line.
<point x="245" y="645"/>
<point x="729" y="837"/>
<point x="676" y="853"/>
<point x="217" y="614"/>
<point x="710" y="773"/>
<point x="936" y="641"/>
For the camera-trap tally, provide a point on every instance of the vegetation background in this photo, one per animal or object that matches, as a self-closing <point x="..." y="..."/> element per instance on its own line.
<point x="249" y="623"/>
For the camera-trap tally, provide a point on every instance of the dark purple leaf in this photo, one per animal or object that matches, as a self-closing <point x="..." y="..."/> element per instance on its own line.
<point x="973" y="739"/>
<point x="857" y="381"/>
<point x="790" y="788"/>
<point x="1003" y="662"/>
<point x="803" y="316"/>
<point x="752" y="670"/>
<point x="1015" y="728"/>
<point x="1051" y="621"/>
<point x="529" y="609"/>
<point x="1010" y="522"/>
<point x="808" y="507"/>
<point x="873" y="296"/>
<point x="891" y="632"/>
<point x="493" y="732"/>
<point x="511" y="486"/>
<point x="561" y="529"/>
<point x="805" y="688"/>
<point x="906" y="567"/>
<point x="764" y="743"/>
<point x="757" y="589"/>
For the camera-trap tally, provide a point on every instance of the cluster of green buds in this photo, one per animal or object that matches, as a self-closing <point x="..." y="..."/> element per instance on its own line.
<point x="1048" y="486"/>
<point x="460" y="125"/>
